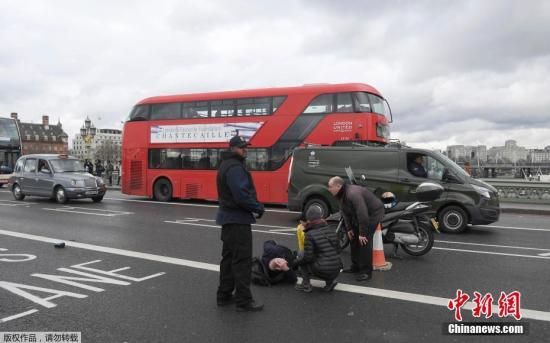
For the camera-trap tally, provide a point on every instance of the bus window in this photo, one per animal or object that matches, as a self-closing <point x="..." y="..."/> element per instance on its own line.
<point x="277" y="102"/>
<point x="222" y="108"/>
<point x="378" y="105"/>
<point x="344" y="102"/>
<point x="257" y="159"/>
<point x="362" y="103"/>
<point x="254" y="106"/>
<point x="321" y="104"/>
<point x="140" y="112"/>
<point x="166" y="111"/>
<point x="165" y="158"/>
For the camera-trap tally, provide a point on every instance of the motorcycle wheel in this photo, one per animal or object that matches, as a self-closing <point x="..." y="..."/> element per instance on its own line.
<point x="426" y="241"/>
<point x="343" y="239"/>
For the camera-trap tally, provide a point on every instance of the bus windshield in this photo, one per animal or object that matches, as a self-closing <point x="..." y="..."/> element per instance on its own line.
<point x="8" y="132"/>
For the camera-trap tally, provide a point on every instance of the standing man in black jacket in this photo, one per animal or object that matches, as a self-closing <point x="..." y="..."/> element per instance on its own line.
<point x="362" y="212"/>
<point x="237" y="206"/>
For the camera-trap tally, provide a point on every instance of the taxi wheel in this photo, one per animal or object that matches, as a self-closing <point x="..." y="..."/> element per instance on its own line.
<point x="453" y="219"/>
<point x="61" y="195"/>
<point x="97" y="199"/>
<point x="17" y="193"/>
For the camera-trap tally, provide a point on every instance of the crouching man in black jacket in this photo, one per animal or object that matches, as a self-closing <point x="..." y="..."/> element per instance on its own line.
<point x="321" y="255"/>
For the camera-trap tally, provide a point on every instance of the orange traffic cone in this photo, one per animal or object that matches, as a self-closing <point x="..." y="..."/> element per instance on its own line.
<point x="378" y="258"/>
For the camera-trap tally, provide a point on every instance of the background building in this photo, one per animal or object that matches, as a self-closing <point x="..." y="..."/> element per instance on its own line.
<point x="43" y="138"/>
<point x="509" y="153"/>
<point x="539" y="155"/>
<point x="463" y="153"/>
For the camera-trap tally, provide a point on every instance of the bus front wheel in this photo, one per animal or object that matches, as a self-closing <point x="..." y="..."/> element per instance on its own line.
<point x="162" y="190"/>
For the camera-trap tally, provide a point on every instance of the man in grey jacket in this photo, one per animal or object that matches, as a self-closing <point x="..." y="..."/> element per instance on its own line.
<point x="362" y="212"/>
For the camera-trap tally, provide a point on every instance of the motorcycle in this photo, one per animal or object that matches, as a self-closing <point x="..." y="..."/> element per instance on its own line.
<point x="407" y="224"/>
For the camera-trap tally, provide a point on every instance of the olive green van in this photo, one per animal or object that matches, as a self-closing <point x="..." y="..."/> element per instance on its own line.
<point x="465" y="200"/>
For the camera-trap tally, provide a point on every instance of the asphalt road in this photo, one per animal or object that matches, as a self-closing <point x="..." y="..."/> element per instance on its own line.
<point x="163" y="277"/>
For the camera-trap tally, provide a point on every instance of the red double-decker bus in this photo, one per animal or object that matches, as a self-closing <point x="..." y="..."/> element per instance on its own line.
<point x="171" y="144"/>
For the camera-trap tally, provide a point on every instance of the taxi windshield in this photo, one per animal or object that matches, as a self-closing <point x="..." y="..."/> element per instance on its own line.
<point x="67" y="165"/>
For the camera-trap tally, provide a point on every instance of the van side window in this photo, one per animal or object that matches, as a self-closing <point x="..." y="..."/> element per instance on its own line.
<point x="416" y="164"/>
<point x="435" y="168"/>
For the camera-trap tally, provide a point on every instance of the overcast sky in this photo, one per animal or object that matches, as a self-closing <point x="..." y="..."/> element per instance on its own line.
<point x="454" y="72"/>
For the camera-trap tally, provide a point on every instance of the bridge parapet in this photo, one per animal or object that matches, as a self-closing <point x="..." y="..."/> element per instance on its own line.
<point x="522" y="191"/>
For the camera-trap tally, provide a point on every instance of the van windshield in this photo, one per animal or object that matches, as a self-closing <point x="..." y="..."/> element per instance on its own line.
<point x="452" y="165"/>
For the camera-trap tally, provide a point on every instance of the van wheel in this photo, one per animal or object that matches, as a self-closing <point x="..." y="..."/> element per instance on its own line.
<point x="453" y="219"/>
<point x="17" y="193"/>
<point x="162" y="190"/>
<point x="319" y="203"/>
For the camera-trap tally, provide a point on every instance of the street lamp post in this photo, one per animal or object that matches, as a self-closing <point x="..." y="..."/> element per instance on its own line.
<point x="87" y="132"/>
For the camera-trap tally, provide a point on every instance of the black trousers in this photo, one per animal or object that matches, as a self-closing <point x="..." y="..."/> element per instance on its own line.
<point x="236" y="264"/>
<point x="361" y="255"/>
<point x="309" y="270"/>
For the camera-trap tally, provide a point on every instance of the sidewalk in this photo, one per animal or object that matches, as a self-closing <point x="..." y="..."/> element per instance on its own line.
<point x="525" y="208"/>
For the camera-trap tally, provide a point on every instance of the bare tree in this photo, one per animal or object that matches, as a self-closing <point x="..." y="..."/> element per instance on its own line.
<point x="108" y="151"/>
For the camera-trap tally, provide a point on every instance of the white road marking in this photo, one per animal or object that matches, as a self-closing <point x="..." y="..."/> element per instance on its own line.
<point x="13" y="203"/>
<point x="277" y="227"/>
<point x="545" y="254"/>
<point x="377" y="292"/>
<point x="511" y="228"/>
<point x="90" y="211"/>
<point x="492" y="253"/>
<point x="194" y="223"/>
<point x="192" y="205"/>
<point x="183" y="222"/>
<point x="19" y="315"/>
<point x="493" y="245"/>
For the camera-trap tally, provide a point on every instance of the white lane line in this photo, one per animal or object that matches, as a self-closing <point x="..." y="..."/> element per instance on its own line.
<point x="291" y="229"/>
<point x="192" y="205"/>
<point x="294" y="212"/>
<point x="277" y="227"/>
<point x="492" y="245"/>
<point x="194" y="223"/>
<point x="97" y="209"/>
<point x="377" y="292"/>
<point x="493" y="253"/>
<point x="545" y="254"/>
<point x="511" y="228"/>
<point x="79" y="212"/>
<point x="284" y="230"/>
<point x="13" y="203"/>
<point x="183" y="222"/>
<point x="19" y="315"/>
<point x="89" y="211"/>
